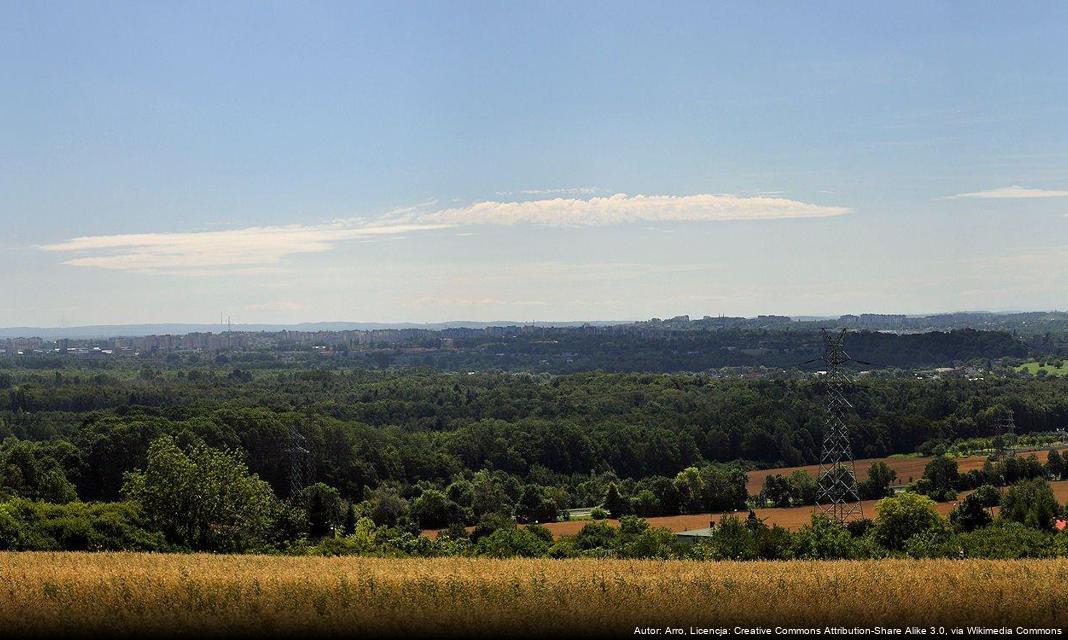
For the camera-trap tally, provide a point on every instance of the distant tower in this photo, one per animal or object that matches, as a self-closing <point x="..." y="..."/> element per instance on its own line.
<point x="298" y="461"/>
<point x="1004" y="436"/>
<point x="837" y="494"/>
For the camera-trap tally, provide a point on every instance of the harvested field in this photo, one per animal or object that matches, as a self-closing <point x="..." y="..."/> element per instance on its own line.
<point x="906" y="468"/>
<point x="138" y="594"/>
<point x="792" y="518"/>
<point x="795" y="517"/>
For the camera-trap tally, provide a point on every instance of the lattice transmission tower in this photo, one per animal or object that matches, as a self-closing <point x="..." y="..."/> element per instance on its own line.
<point x="298" y="461"/>
<point x="837" y="494"/>
<point x="1004" y="436"/>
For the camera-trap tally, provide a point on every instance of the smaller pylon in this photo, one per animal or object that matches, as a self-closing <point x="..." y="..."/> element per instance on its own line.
<point x="298" y="461"/>
<point x="1004" y="436"/>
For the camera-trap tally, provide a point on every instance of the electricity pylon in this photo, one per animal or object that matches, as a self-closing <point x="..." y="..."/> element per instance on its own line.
<point x="837" y="494"/>
<point x="1005" y="436"/>
<point x="298" y="461"/>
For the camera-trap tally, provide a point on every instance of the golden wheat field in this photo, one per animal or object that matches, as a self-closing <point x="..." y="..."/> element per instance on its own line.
<point x="152" y="594"/>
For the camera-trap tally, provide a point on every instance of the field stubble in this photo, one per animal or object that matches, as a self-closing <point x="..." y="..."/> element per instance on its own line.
<point x="137" y="594"/>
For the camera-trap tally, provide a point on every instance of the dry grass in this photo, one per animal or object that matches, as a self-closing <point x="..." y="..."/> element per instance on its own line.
<point x="196" y="594"/>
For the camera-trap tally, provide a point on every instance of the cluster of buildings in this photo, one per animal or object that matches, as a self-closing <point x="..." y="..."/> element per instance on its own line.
<point x="213" y="342"/>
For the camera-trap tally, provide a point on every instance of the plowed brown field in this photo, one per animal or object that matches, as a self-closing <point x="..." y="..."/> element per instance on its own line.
<point x="907" y="468"/>
<point x="795" y="517"/>
<point x="792" y="518"/>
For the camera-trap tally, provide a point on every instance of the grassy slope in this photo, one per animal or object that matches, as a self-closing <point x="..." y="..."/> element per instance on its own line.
<point x="1034" y="367"/>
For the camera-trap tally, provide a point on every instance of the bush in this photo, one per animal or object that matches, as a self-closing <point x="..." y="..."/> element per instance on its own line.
<point x="1031" y="503"/>
<point x="508" y="543"/>
<point x="936" y="542"/>
<point x="823" y="539"/>
<point x="599" y="514"/>
<point x="76" y="526"/>
<point x="1008" y="540"/>
<point x="597" y="535"/>
<point x="901" y="517"/>
<point x="971" y="513"/>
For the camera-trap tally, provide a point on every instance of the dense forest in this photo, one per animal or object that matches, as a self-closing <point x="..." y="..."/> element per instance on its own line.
<point x="364" y="428"/>
<point x="257" y="456"/>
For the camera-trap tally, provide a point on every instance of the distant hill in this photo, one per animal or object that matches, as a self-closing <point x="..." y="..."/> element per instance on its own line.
<point x="135" y="330"/>
<point x="1029" y="323"/>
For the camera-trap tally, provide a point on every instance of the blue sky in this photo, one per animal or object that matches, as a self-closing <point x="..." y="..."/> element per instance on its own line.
<point x="437" y="161"/>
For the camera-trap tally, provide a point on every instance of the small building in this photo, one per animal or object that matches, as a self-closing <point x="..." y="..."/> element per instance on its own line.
<point x="692" y="536"/>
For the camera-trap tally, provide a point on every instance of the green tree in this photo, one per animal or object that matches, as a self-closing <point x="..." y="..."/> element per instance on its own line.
<point x="535" y="505"/>
<point x="940" y="478"/>
<point x="803" y="488"/>
<point x="902" y="516"/>
<point x="488" y="494"/>
<point x="823" y="539"/>
<point x="386" y="507"/>
<point x="1030" y="503"/>
<point x="1055" y="465"/>
<point x="433" y="510"/>
<point x="28" y="472"/>
<point x="880" y="477"/>
<point x="644" y="504"/>
<point x="776" y="490"/>
<point x="511" y="542"/>
<point x="597" y="536"/>
<point x="324" y="507"/>
<point x="616" y="505"/>
<point x="970" y="514"/>
<point x="204" y="499"/>
<point x="987" y="495"/>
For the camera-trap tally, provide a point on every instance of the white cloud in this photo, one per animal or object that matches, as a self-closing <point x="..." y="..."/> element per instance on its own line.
<point x="195" y="252"/>
<point x="622" y="208"/>
<point x="1014" y="191"/>
<point x="254" y="248"/>
<point x="565" y="191"/>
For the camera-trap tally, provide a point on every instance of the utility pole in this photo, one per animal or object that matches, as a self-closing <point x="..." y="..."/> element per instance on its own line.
<point x="837" y="494"/>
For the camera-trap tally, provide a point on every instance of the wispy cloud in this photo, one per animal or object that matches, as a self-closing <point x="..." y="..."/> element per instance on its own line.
<point x="622" y="208"/>
<point x="1014" y="191"/>
<point x="194" y="253"/>
<point x="248" y="249"/>
<point x="564" y="191"/>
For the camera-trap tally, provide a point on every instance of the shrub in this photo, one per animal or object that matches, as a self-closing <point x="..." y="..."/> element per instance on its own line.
<point x="508" y="543"/>
<point x="597" y="535"/>
<point x="1008" y="540"/>
<point x="971" y="513"/>
<point x="1031" y="503"/>
<point x="902" y="517"/>
<point x="823" y="539"/>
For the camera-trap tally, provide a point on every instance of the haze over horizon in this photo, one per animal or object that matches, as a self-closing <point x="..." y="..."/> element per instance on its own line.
<point x="423" y="162"/>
